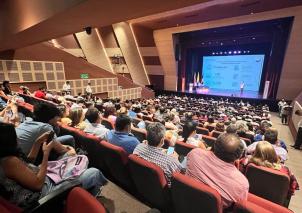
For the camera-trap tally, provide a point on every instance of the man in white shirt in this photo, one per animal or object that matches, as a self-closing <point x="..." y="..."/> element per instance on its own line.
<point x="88" y="89"/>
<point x="66" y="87"/>
<point x="93" y="123"/>
<point x="298" y="141"/>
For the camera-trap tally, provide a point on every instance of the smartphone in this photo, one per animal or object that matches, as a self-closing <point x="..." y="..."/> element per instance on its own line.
<point x="50" y="137"/>
<point x="170" y="150"/>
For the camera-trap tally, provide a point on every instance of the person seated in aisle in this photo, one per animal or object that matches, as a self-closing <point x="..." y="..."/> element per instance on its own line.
<point x="6" y="88"/>
<point x="265" y="155"/>
<point x="216" y="168"/>
<point x="45" y="119"/>
<point x="271" y="135"/>
<point x="190" y="136"/>
<point x="93" y="123"/>
<point x="122" y="136"/>
<point x="40" y="93"/>
<point x="25" y="183"/>
<point x="151" y="150"/>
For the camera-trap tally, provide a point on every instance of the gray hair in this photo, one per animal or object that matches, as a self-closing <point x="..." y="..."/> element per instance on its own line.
<point x="155" y="133"/>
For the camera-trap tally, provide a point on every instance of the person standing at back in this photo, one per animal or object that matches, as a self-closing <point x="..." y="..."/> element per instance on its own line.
<point x="66" y="87"/>
<point x="216" y="168"/>
<point x="298" y="141"/>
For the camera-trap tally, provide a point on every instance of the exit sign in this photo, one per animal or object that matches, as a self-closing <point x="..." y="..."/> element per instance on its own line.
<point x="84" y="76"/>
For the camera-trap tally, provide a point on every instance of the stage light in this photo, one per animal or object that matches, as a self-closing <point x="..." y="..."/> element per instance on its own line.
<point x="213" y="53"/>
<point x="243" y="51"/>
<point x="220" y="53"/>
<point x="230" y="52"/>
<point x="235" y="52"/>
<point x="221" y="43"/>
<point x="239" y="52"/>
<point x="225" y="52"/>
<point x="253" y="38"/>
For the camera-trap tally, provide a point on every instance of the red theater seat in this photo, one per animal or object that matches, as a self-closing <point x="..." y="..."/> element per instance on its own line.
<point x="190" y="196"/>
<point x="140" y="134"/>
<point x="182" y="148"/>
<point x="150" y="182"/>
<point x="216" y="134"/>
<point x="268" y="183"/>
<point x="209" y="140"/>
<point x="256" y="204"/>
<point x="7" y="207"/>
<point x="201" y="130"/>
<point x="79" y="201"/>
<point x="116" y="160"/>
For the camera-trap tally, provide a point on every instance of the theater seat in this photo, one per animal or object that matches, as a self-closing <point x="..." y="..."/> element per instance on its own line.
<point x="140" y="134"/>
<point x="209" y="140"/>
<point x="7" y="207"/>
<point x="79" y="201"/>
<point x="201" y="130"/>
<point x="116" y="160"/>
<point x="107" y="123"/>
<point x="210" y="128"/>
<point x="190" y="196"/>
<point x="182" y="148"/>
<point x="268" y="183"/>
<point x="216" y="134"/>
<point x="150" y="182"/>
<point x="256" y="204"/>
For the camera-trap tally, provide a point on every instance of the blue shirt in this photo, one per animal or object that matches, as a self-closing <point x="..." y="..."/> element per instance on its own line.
<point x="28" y="132"/>
<point x="125" y="140"/>
<point x="131" y="114"/>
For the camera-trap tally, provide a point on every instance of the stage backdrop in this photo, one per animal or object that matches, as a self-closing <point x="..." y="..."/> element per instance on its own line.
<point x="228" y="72"/>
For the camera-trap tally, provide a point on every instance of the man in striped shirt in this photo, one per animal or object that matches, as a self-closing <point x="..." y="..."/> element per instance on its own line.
<point x="151" y="151"/>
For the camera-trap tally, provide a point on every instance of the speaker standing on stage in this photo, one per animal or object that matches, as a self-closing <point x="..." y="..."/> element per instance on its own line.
<point x="241" y="87"/>
<point x="66" y="87"/>
<point x="88" y="89"/>
<point x="298" y="141"/>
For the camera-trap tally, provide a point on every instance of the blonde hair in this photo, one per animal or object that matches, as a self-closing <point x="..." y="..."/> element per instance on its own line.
<point x="76" y="116"/>
<point x="265" y="155"/>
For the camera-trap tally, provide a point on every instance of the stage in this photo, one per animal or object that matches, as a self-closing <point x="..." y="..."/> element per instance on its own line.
<point x="227" y="93"/>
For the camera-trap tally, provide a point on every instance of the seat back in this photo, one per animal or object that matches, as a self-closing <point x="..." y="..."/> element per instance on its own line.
<point x="79" y="200"/>
<point x="182" y="148"/>
<point x="147" y="118"/>
<point x="209" y="140"/>
<point x="116" y="160"/>
<point x="107" y="123"/>
<point x="149" y="181"/>
<point x="216" y="134"/>
<point x="268" y="183"/>
<point x="190" y="196"/>
<point x="201" y="130"/>
<point x="258" y="204"/>
<point x="140" y="134"/>
<point x="246" y="140"/>
<point x="210" y="128"/>
<point x="7" y="207"/>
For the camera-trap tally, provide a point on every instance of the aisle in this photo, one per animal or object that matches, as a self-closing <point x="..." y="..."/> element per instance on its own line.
<point x="294" y="162"/>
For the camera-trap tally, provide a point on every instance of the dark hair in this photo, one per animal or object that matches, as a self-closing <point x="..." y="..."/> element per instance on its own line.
<point x="8" y="140"/>
<point x="44" y="112"/>
<point x="109" y="111"/>
<point x="271" y="135"/>
<point x="228" y="147"/>
<point x="92" y="115"/>
<point x="211" y="119"/>
<point x="122" y="122"/>
<point x="188" y="128"/>
<point x="5" y="82"/>
<point x="155" y="133"/>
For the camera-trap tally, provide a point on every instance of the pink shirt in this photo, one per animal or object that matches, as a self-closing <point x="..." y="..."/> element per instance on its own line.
<point x="230" y="183"/>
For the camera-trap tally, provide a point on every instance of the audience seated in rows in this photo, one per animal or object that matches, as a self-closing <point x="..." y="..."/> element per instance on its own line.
<point x="265" y="155"/>
<point x="216" y="169"/>
<point x="190" y="136"/>
<point x="46" y="117"/>
<point x="23" y="183"/>
<point x="152" y="151"/>
<point x="271" y="135"/>
<point x="122" y="136"/>
<point x="93" y="123"/>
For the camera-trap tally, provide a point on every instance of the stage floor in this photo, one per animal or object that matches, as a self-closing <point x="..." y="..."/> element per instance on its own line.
<point x="227" y="93"/>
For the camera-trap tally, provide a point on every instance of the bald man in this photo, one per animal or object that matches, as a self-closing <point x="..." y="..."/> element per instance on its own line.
<point x="216" y="169"/>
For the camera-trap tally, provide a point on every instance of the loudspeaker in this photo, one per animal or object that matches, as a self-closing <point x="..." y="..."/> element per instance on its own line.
<point x="88" y="30"/>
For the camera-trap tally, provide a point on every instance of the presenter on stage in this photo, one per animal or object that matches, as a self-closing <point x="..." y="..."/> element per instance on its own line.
<point x="241" y="87"/>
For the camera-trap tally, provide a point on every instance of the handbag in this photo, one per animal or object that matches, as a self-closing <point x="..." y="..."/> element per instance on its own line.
<point x="67" y="168"/>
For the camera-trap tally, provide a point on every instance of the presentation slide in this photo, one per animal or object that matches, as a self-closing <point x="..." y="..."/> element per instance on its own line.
<point x="227" y="72"/>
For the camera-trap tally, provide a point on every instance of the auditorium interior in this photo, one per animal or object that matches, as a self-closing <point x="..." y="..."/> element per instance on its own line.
<point x="151" y="106"/>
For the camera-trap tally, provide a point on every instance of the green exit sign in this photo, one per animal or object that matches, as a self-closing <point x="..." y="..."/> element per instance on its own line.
<point x="84" y="76"/>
